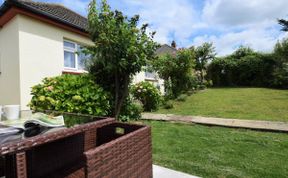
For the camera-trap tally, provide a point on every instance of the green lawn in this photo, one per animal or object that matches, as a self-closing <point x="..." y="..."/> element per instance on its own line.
<point x="219" y="152"/>
<point x="239" y="103"/>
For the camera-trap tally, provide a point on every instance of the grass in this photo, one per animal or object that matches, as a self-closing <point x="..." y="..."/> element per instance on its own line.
<point x="238" y="103"/>
<point x="219" y="152"/>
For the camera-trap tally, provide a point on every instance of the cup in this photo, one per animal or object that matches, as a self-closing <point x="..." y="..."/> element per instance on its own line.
<point x="11" y="112"/>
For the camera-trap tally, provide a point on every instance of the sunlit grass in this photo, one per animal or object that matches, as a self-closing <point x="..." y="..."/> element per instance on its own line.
<point x="219" y="152"/>
<point x="239" y="103"/>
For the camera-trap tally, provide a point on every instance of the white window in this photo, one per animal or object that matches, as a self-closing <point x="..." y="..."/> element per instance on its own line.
<point x="74" y="59"/>
<point x="150" y="75"/>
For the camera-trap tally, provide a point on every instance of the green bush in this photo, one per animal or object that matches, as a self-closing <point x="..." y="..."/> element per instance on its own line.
<point x="280" y="75"/>
<point x="70" y="93"/>
<point x="147" y="94"/>
<point x="181" y="98"/>
<point x="176" y="70"/>
<point x="131" y="111"/>
<point x="168" y="105"/>
<point x="208" y="83"/>
<point x="252" y="70"/>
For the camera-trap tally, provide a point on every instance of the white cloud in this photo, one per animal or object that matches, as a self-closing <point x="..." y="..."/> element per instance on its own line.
<point x="259" y="39"/>
<point x="171" y="19"/>
<point x="231" y="13"/>
<point x="243" y="22"/>
<point x="228" y="23"/>
<point x="237" y="22"/>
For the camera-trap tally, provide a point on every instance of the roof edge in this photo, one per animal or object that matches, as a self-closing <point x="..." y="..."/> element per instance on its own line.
<point x="8" y="4"/>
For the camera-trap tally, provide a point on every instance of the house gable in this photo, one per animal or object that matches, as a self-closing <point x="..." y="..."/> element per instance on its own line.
<point x="53" y="14"/>
<point x="165" y="49"/>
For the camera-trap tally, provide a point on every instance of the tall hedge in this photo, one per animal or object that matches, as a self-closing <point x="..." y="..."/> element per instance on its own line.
<point x="251" y="70"/>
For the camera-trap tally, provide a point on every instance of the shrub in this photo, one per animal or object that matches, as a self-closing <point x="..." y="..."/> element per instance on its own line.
<point x="252" y="70"/>
<point x="281" y="77"/>
<point x="70" y="93"/>
<point x="147" y="94"/>
<point x="208" y="83"/>
<point x="176" y="70"/>
<point x="181" y="98"/>
<point x="131" y="111"/>
<point x="168" y="105"/>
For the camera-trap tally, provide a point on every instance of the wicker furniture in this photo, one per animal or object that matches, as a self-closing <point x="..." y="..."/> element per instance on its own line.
<point x="103" y="148"/>
<point x="123" y="151"/>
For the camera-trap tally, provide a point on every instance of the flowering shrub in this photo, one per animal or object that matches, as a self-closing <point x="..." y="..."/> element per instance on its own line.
<point x="147" y="94"/>
<point x="70" y="93"/>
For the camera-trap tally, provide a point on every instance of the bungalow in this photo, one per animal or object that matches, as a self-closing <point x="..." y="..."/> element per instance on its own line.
<point x="39" y="40"/>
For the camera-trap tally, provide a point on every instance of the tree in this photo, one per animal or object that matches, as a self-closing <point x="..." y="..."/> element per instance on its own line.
<point x="120" y="50"/>
<point x="281" y="70"/>
<point x="284" y="24"/>
<point x="243" y="51"/>
<point x="176" y="70"/>
<point x="281" y="50"/>
<point x="203" y="54"/>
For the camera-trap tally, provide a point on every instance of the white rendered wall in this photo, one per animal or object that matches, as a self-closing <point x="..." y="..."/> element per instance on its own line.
<point x="31" y="50"/>
<point x="9" y="63"/>
<point x="141" y="77"/>
<point x="41" y="53"/>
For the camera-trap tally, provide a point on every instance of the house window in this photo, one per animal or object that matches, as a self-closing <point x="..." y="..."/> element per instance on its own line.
<point x="150" y="75"/>
<point x="74" y="59"/>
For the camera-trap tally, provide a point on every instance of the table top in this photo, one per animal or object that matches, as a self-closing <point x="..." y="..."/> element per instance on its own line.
<point x="74" y="123"/>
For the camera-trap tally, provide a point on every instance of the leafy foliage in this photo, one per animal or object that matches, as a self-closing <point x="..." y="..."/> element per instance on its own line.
<point x="203" y="54"/>
<point x="243" y="51"/>
<point x="281" y="51"/>
<point x="243" y="68"/>
<point x="176" y="70"/>
<point x="147" y="94"/>
<point x="131" y="110"/>
<point x="182" y="98"/>
<point x="284" y="23"/>
<point x="280" y="74"/>
<point x="120" y="50"/>
<point x="70" y="93"/>
<point x="168" y="105"/>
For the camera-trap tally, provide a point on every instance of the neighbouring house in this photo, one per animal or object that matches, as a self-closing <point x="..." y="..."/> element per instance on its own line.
<point x="153" y="76"/>
<point x="39" y="40"/>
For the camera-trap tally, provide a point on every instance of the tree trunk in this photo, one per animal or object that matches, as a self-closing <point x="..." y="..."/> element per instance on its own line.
<point x="123" y="97"/>
<point x="201" y="73"/>
<point x="116" y="95"/>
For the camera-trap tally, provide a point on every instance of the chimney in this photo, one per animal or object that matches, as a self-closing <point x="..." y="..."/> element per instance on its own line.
<point x="173" y="44"/>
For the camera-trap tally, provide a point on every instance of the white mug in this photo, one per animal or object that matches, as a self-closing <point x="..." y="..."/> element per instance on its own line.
<point x="11" y="112"/>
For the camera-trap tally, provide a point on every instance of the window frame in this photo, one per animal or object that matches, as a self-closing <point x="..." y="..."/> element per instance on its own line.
<point x="72" y="50"/>
<point x="150" y="73"/>
<point x="153" y="73"/>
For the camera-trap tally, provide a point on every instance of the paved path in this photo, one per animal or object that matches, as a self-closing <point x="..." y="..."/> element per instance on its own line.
<point x="236" y="123"/>
<point x="161" y="172"/>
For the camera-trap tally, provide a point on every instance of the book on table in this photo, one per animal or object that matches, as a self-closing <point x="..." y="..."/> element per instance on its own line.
<point x="38" y="123"/>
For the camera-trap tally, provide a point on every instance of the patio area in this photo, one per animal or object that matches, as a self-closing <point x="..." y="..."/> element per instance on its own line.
<point x="160" y="172"/>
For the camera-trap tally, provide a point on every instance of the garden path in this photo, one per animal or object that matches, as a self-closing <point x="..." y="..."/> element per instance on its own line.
<point x="236" y="123"/>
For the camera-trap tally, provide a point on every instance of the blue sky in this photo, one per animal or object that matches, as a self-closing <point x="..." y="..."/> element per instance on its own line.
<point x="226" y="23"/>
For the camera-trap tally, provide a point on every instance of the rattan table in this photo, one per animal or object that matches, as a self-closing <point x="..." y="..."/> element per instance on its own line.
<point x="94" y="147"/>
